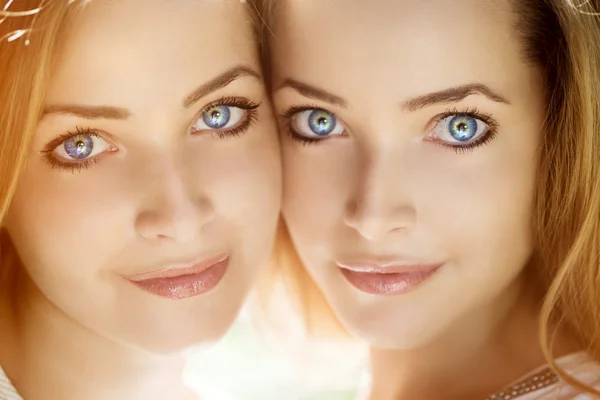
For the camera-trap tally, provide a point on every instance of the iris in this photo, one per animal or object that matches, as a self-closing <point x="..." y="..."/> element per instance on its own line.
<point x="463" y="128"/>
<point x="217" y="117"/>
<point x="79" y="147"/>
<point x="321" y="122"/>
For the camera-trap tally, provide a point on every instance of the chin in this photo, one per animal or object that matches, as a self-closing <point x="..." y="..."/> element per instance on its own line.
<point x="389" y="339"/>
<point x="178" y="340"/>
<point x="181" y="345"/>
<point x="387" y="330"/>
<point x="401" y="341"/>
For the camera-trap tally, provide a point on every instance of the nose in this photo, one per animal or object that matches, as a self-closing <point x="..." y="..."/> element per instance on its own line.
<point x="172" y="210"/>
<point x="381" y="203"/>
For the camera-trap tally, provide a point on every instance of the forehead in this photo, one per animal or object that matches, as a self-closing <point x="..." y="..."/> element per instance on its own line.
<point x="115" y="49"/>
<point x="418" y="45"/>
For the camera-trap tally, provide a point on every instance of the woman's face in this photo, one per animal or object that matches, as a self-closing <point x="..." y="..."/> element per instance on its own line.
<point x="410" y="136"/>
<point x="152" y="192"/>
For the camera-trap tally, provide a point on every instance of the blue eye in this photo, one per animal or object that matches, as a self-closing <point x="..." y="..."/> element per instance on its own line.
<point x="456" y="129"/>
<point x="316" y="124"/>
<point x="81" y="147"/>
<point x="220" y="117"/>
<point x="462" y="128"/>
<point x="217" y="117"/>
<point x="321" y="122"/>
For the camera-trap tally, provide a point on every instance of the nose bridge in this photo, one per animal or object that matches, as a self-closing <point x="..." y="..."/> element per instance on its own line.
<point x="166" y="182"/>
<point x="377" y="179"/>
<point x="176" y="185"/>
<point x="381" y="202"/>
<point x="172" y="206"/>
<point x="376" y="187"/>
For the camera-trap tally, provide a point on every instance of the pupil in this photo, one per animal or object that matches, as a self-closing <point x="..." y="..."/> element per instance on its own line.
<point x="215" y="115"/>
<point x="322" y="121"/>
<point x="462" y="127"/>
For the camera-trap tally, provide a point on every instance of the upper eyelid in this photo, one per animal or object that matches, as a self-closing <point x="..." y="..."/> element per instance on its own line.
<point x="231" y="101"/>
<point x="250" y="113"/>
<point x="70" y="134"/>
<point x="50" y="146"/>
<point x="291" y="111"/>
<point x="228" y="101"/>
<point x="48" y="149"/>
<point x="474" y="112"/>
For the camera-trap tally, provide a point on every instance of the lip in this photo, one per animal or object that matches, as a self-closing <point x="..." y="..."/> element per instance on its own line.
<point x="387" y="279"/>
<point x="183" y="280"/>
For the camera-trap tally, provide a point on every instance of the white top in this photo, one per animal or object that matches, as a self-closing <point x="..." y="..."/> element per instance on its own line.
<point x="577" y="365"/>
<point x="7" y="390"/>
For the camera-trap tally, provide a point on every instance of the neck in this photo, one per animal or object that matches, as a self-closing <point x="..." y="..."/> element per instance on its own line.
<point x="48" y="355"/>
<point x="481" y="354"/>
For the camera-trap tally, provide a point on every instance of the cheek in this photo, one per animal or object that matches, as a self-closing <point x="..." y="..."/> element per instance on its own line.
<point x="477" y="209"/>
<point x="247" y="186"/>
<point x="71" y="222"/>
<point x="244" y="182"/>
<point x="59" y="218"/>
<point x="318" y="183"/>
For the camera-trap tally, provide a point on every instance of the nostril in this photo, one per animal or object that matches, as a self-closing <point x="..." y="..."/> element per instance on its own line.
<point x="178" y="220"/>
<point x="374" y="222"/>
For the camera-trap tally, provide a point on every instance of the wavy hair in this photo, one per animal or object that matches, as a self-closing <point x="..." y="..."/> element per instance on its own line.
<point x="562" y="38"/>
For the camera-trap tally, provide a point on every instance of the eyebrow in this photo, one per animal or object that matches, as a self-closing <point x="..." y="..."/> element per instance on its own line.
<point x="88" y="112"/>
<point x="120" y="113"/>
<point x="313" y="92"/>
<point x="219" y="82"/>
<point x="449" y="95"/>
<point x="452" y="95"/>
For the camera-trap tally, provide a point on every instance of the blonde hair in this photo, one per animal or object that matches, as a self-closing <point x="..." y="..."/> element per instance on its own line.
<point x="29" y="32"/>
<point x="563" y="38"/>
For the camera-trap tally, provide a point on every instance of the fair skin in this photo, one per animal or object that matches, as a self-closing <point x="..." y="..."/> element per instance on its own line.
<point x="406" y="167"/>
<point x="163" y="185"/>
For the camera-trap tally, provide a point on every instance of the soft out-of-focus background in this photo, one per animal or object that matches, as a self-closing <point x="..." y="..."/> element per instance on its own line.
<point x="252" y="363"/>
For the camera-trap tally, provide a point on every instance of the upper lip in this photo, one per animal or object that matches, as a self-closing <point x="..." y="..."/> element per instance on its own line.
<point x="175" y="269"/>
<point x="388" y="266"/>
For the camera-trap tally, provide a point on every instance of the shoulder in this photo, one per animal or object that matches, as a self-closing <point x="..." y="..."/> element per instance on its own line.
<point x="581" y="367"/>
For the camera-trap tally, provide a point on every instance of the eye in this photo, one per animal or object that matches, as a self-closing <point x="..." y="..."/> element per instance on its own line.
<point x="81" y="146"/>
<point x="316" y="124"/>
<point x="219" y="117"/>
<point x="460" y="129"/>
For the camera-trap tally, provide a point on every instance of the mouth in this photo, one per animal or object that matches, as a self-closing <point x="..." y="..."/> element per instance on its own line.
<point x="181" y="281"/>
<point x="387" y="279"/>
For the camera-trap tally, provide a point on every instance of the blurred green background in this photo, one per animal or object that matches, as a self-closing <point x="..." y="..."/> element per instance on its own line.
<point x="251" y="365"/>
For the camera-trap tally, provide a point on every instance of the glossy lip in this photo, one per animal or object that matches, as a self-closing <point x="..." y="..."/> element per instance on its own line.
<point x="183" y="280"/>
<point x="387" y="279"/>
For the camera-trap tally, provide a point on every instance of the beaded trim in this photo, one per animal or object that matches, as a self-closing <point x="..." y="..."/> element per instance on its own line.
<point x="538" y="381"/>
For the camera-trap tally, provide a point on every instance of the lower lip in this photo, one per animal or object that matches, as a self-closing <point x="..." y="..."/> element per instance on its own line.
<point x="387" y="284"/>
<point x="185" y="286"/>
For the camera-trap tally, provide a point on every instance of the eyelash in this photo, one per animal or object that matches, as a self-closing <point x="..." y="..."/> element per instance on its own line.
<point x="287" y="117"/>
<point x="459" y="149"/>
<point x="239" y="102"/>
<point x="472" y="113"/>
<point x="77" y="166"/>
